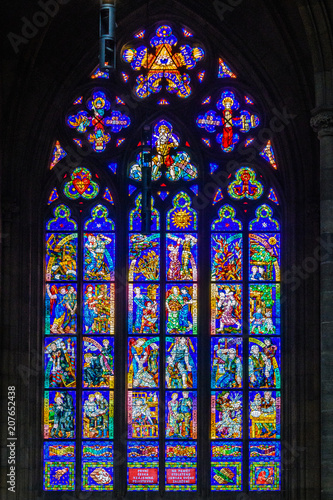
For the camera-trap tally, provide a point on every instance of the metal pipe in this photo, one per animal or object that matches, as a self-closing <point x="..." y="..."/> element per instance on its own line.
<point x="107" y="35"/>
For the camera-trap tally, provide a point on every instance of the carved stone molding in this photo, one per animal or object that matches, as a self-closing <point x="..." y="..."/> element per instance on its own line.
<point x="322" y="123"/>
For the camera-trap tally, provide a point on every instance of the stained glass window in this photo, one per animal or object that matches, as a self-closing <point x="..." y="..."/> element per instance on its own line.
<point x="143" y="348"/>
<point x="79" y="346"/>
<point x="233" y="336"/>
<point x="187" y="258"/>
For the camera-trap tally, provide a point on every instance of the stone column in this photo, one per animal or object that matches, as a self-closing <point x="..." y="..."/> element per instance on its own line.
<point x="322" y="123"/>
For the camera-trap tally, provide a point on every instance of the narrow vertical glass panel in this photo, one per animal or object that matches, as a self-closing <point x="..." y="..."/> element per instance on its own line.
<point x="59" y="414"/>
<point x="264" y="257"/>
<point x="226" y="465"/>
<point x="226" y="255"/>
<point x="264" y="309"/>
<point x="98" y="362"/>
<point x="143" y="414"/>
<point x="226" y="362"/>
<point x="142" y="465"/>
<point x="265" y="413"/>
<point x="143" y="309"/>
<point x="60" y="362"/>
<point x="143" y="362"/>
<point x="265" y="467"/>
<point x="181" y="465"/>
<point x="59" y="465"/>
<point x="60" y="308"/>
<point x="61" y="256"/>
<point x="98" y="308"/>
<point x="181" y="309"/>
<point x="97" y="414"/>
<point x="181" y="363"/>
<point x="144" y="257"/>
<point x="181" y="257"/>
<point x="99" y="252"/>
<point x="264" y="362"/>
<point x="97" y="465"/>
<point x="226" y="309"/>
<point x="181" y="415"/>
<point x="226" y="415"/>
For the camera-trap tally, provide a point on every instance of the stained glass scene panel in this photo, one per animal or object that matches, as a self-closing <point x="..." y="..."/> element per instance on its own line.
<point x="226" y="362"/>
<point x="143" y="309"/>
<point x="265" y="413"/>
<point x="181" y="309"/>
<point x="61" y="256"/>
<point x="60" y="362"/>
<point x="143" y="362"/>
<point x="97" y="465"/>
<point x="99" y="256"/>
<point x="98" y="308"/>
<point x="181" y="415"/>
<point x="97" y="414"/>
<point x="60" y="308"/>
<point x="264" y="309"/>
<point x="226" y="414"/>
<point x="226" y="465"/>
<point x="59" y="414"/>
<point x="264" y="363"/>
<point x="226" y="309"/>
<point x="181" y="363"/>
<point x="59" y="465"/>
<point x="265" y="468"/>
<point x="144" y="257"/>
<point x="98" y="362"/>
<point x="226" y="256"/>
<point x="181" y="257"/>
<point x="142" y="465"/>
<point x="180" y="465"/>
<point x="143" y="414"/>
<point x="264" y="257"/>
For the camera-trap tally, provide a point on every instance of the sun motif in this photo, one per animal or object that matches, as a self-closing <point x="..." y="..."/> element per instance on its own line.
<point x="272" y="241"/>
<point x="181" y="219"/>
